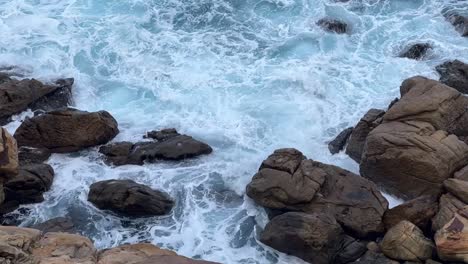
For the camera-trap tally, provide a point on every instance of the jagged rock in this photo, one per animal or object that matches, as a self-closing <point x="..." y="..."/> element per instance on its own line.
<point x="405" y="241"/>
<point x="358" y="137"/>
<point x="170" y="146"/>
<point x="458" y="188"/>
<point x="459" y="22"/>
<point x="29" y="155"/>
<point x="454" y="74"/>
<point x="8" y="156"/>
<point x="338" y="144"/>
<point x="19" y="95"/>
<point x="333" y="25"/>
<point x="67" y="130"/>
<point x="452" y="239"/>
<point x="58" y="224"/>
<point x="449" y="205"/>
<point x="418" y="211"/>
<point x="312" y="237"/>
<point x="129" y="198"/>
<point x="416" y="51"/>
<point x="131" y="254"/>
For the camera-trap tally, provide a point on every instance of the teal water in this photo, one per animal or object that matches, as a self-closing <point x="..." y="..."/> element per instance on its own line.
<point x="245" y="76"/>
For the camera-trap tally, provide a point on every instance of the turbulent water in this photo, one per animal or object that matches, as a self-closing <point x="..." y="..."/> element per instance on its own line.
<point x="245" y="76"/>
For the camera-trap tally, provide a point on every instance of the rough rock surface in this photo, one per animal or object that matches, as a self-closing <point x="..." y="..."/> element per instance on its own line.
<point x="462" y="174"/>
<point x="350" y="249"/>
<point x="333" y="25"/>
<point x="170" y="146"/>
<point x="416" y="51"/>
<point x="16" y="244"/>
<point x="131" y="254"/>
<point x="67" y="130"/>
<point x="418" y="211"/>
<point x="458" y="188"/>
<point x="339" y="142"/>
<point x="449" y="205"/>
<point x="27" y="155"/>
<point x="454" y="74"/>
<point x="58" y="224"/>
<point x="374" y="256"/>
<point x="405" y="241"/>
<point x="312" y="237"/>
<point x="452" y="239"/>
<point x="8" y="155"/>
<point x="129" y="198"/>
<point x="19" y="95"/>
<point x="356" y="141"/>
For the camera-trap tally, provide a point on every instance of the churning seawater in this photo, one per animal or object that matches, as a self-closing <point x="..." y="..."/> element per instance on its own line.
<point x="246" y="76"/>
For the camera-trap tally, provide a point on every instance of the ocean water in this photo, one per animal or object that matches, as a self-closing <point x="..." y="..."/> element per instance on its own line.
<point x="245" y="76"/>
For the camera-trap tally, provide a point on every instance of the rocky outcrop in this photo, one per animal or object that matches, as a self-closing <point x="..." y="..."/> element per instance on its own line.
<point x="405" y="241"/>
<point x="333" y="25"/>
<point x="67" y="130"/>
<point x="416" y="148"/>
<point x="449" y="205"/>
<point x="126" y="197"/>
<point x="452" y="239"/>
<point x="19" y="95"/>
<point x="17" y="243"/>
<point x="416" y="51"/>
<point x="58" y="248"/>
<point x="169" y="145"/>
<point x="312" y="237"/>
<point x="8" y="155"/>
<point x="287" y="181"/>
<point x="454" y="74"/>
<point x="356" y="141"/>
<point x="459" y="22"/>
<point x="339" y="142"/>
<point x="418" y="211"/>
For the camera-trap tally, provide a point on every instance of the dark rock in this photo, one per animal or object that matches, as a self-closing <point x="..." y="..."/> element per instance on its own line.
<point x="350" y="250"/>
<point x="27" y="155"/>
<point x="19" y="95"/>
<point x="67" y="130"/>
<point x="454" y="74"/>
<point x="393" y="102"/>
<point x="459" y="22"/>
<point x="287" y="160"/>
<point x="338" y="144"/>
<point x="169" y="147"/>
<point x="418" y="211"/>
<point x="161" y="135"/>
<point x="449" y="205"/>
<point x="333" y="25"/>
<point x="315" y="238"/>
<point x="358" y="137"/>
<point x="129" y="198"/>
<point x="458" y="188"/>
<point x="58" y="224"/>
<point x="416" y="51"/>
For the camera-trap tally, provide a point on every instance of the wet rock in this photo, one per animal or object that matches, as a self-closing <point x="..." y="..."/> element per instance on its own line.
<point x="312" y="237"/>
<point x="459" y="22"/>
<point x="8" y="155"/>
<point x="458" y="188"/>
<point x="449" y="205"/>
<point x="333" y="25"/>
<point x="358" y="137"/>
<point x="416" y="51"/>
<point x="131" y="254"/>
<point x="29" y="155"/>
<point x="67" y="130"/>
<point x="170" y="146"/>
<point x="19" y="95"/>
<point x="338" y="144"/>
<point x="405" y="241"/>
<point x="452" y="239"/>
<point x="418" y="211"/>
<point x="129" y="198"/>
<point x="350" y="250"/>
<point x="58" y="224"/>
<point x="454" y="74"/>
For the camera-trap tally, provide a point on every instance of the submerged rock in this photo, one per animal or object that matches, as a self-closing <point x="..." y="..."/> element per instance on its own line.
<point x="339" y="142"/>
<point x="454" y="74"/>
<point x="170" y="146"/>
<point x="416" y="51"/>
<point x="459" y="22"/>
<point x="67" y="130"/>
<point x="333" y="25"/>
<point x="126" y="197"/>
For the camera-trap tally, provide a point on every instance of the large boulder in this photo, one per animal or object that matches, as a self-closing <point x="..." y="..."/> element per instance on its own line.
<point x="131" y="254"/>
<point x="8" y="155"/>
<point x="287" y="181"/>
<point x="356" y="141"/>
<point x="129" y="198"/>
<point x="169" y="146"/>
<point x="67" y="130"/>
<point x="418" y="211"/>
<point x="312" y="237"/>
<point x="452" y="239"/>
<point x="405" y="241"/>
<point x="449" y="205"/>
<point x="339" y="142"/>
<point x="19" y="95"/>
<point x="454" y="74"/>
<point x="416" y="51"/>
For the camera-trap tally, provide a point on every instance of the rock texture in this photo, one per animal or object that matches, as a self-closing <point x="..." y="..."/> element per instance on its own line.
<point x="131" y="254"/>
<point x="27" y="155"/>
<point x="58" y="224"/>
<point x="452" y="239"/>
<point x="405" y="241"/>
<point x="449" y="205"/>
<point x="8" y="155"/>
<point x="459" y="22"/>
<point x="416" y="51"/>
<point x="67" y="130"/>
<point x="338" y="143"/>
<point x="333" y="25"/>
<point x="170" y="145"/>
<point x="312" y="237"/>
<point x="418" y="211"/>
<point x="129" y="198"/>
<point x="19" y="95"/>
<point x="454" y="74"/>
<point x="458" y="188"/>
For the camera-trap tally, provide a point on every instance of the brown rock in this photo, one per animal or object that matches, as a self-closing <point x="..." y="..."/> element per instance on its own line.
<point x="67" y="130"/>
<point x="449" y="205"/>
<point x="166" y="259"/>
<point x="462" y="174"/>
<point x="452" y="240"/>
<point x="418" y="211"/>
<point x="333" y="25"/>
<point x="458" y="188"/>
<point x="16" y="243"/>
<point x="8" y="155"/>
<point x="405" y="241"/>
<point x="358" y="138"/>
<point x="287" y="160"/>
<point x="131" y="254"/>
